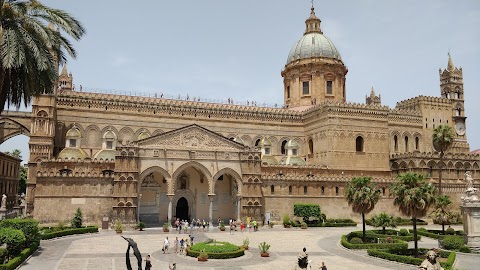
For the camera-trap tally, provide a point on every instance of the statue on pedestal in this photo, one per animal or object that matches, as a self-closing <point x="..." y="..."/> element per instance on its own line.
<point x="4" y="202"/>
<point x="471" y="190"/>
<point x="430" y="263"/>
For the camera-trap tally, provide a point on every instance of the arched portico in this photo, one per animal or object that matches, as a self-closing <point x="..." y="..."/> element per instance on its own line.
<point x="200" y="168"/>
<point x="153" y="200"/>
<point x="189" y="196"/>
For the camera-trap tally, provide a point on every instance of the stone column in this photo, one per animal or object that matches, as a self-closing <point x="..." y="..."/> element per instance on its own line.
<point x="170" y="206"/>
<point x="210" y="209"/>
<point x="239" y="207"/>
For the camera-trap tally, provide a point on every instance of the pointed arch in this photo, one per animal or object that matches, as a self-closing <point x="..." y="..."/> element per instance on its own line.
<point x="198" y="166"/>
<point x="237" y="177"/>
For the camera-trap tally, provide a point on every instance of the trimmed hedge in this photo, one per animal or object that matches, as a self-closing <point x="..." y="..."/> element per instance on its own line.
<point x="28" y="226"/>
<point x="405" y="256"/>
<point x="15" y="262"/>
<point x="224" y="250"/>
<point x="65" y="232"/>
<point x="340" y="222"/>
<point x="401" y="222"/>
<point x="390" y="233"/>
<point x="15" y="240"/>
<point x="398" y="244"/>
<point x="435" y="234"/>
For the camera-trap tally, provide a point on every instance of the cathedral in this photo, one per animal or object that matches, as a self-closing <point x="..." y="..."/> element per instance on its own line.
<point x="119" y="157"/>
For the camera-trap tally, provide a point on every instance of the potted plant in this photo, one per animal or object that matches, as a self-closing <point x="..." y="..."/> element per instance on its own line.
<point x="286" y="221"/>
<point x="303" y="225"/>
<point x="203" y="256"/>
<point x="264" y="247"/>
<point x="271" y="224"/>
<point x="118" y="226"/>
<point x="246" y="241"/>
<point x="140" y="226"/>
<point x="222" y="227"/>
<point x="166" y="227"/>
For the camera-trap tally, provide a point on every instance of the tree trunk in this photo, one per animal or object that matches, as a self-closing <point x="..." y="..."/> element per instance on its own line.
<point x="415" y="236"/>
<point x="383" y="228"/>
<point x="363" y="223"/>
<point x="443" y="228"/>
<point x="440" y="173"/>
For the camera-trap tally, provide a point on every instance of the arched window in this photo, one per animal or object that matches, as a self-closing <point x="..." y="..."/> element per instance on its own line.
<point x="383" y="191"/>
<point x="272" y="189"/>
<point x="257" y="142"/>
<point x="305" y="189"/>
<point x="310" y="146"/>
<point x="457" y="95"/>
<point x="289" y="190"/>
<point x="417" y="143"/>
<point x="288" y="91"/>
<point x="458" y="112"/>
<point x="283" y="150"/>
<point x="359" y="144"/>
<point x="323" y="190"/>
<point x="406" y="144"/>
<point x="395" y="143"/>
<point x="337" y="190"/>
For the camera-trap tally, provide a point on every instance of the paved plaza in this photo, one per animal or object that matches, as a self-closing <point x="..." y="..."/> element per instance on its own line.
<point x="106" y="250"/>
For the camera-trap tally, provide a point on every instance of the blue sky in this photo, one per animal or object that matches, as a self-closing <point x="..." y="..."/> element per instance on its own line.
<point x="218" y="49"/>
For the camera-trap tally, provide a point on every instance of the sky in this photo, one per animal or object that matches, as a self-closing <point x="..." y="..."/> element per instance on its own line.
<point x="216" y="49"/>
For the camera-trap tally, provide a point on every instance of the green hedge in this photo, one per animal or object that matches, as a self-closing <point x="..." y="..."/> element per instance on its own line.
<point x="405" y="256"/>
<point x="435" y="234"/>
<point x="65" y="232"/>
<point x="390" y="233"/>
<point x="400" y="221"/>
<point x="341" y="222"/>
<point x="15" y="262"/>
<point x="396" y="244"/>
<point x="15" y="240"/>
<point x="216" y="255"/>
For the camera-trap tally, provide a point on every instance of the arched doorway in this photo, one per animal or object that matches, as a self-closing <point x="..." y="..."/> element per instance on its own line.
<point x="182" y="209"/>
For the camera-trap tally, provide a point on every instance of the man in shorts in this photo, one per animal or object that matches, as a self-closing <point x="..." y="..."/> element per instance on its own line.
<point x="165" y="245"/>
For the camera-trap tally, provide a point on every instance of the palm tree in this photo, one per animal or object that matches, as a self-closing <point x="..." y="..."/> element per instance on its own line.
<point x="384" y="220"/>
<point x="30" y="51"/>
<point x="441" y="214"/>
<point x="362" y="194"/>
<point x="413" y="195"/>
<point x="442" y="140"/>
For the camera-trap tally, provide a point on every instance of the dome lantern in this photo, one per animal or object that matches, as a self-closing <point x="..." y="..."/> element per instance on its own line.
<point x="313" y="23"/>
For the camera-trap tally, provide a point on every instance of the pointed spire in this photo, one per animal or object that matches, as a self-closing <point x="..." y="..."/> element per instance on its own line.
<point x="450" y="66"/>
<point x="372" y="92"/>
<point x="64" y="71"/>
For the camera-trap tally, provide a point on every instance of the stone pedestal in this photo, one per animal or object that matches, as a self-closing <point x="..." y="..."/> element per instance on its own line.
<point x="3" y="213"/>
<point x="471" y="224"/>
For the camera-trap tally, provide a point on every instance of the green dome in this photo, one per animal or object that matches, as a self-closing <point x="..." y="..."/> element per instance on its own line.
<point x="75" y="153"/>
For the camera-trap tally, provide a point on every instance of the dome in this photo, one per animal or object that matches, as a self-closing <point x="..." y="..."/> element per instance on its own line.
<point x="106" y="154"/>
<point x="73" y="133"/>
<point x="75" y="153"/>
<point x="313" y="45"/>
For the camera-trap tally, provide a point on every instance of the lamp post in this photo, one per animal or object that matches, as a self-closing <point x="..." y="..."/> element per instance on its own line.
<point x="138" y="206"/>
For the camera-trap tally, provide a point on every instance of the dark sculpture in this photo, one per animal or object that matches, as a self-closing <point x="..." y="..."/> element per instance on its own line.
<point x="136" y="252"/>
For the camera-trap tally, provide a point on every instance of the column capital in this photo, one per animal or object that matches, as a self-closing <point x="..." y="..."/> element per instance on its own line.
<point x="170" y="196"/>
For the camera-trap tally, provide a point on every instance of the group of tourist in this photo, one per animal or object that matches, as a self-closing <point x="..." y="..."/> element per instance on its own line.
<point x="188" y="227"/>
<point x="251" y="225"/>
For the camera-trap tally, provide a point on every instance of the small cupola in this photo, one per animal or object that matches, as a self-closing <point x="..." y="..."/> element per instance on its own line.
<point x="313" y="23"/>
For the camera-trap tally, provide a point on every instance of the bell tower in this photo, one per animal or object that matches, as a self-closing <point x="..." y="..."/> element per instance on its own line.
<point x="451" y="87"/>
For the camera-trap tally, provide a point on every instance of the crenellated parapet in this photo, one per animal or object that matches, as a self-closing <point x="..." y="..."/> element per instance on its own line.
<point x="453" y="156"/>
<point x="414" y="103"/>
<point x="87" y="168"/>
<point x="160" y="106"/>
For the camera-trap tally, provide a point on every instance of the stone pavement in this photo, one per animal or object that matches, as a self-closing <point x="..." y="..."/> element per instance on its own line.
<point x="106" y="250"/>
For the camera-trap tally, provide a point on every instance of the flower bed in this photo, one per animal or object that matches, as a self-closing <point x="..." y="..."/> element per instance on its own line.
<point x="406" y="256"/>
<point x="396" y="243"/>
<point x="216" y="250"/>
<point x="52" y="233"/>
<point x="16" y="261"/>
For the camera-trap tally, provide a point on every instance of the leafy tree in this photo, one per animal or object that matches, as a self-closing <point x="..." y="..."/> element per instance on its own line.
<point x="15" y="153"/>
<point x="384" y="220"/>
<point x="442" y="140"/>
<point x="30" y="50"/>
<point x="77" y="219"/>
<point x="22" y="185"/>
<point x="362" y="194"/>
<point x="413" y="195"/>
<point x="307" y="211"/>
<point x="441" y="214"/>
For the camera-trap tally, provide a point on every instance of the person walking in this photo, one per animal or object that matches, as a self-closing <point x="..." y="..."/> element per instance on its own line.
<point x="323" y="267"/>
<point x="148" y="263"/>
<point x="165" y="245"/>
<point x="175" y="244"/>
<point x="173" y="266"/>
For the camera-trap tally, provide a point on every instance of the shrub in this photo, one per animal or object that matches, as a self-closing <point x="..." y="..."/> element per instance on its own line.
<point x="450" y="231"/>
<point x="77" y="219"/>
<point x="246" y="242"/>
<point x="69" y="231"/>
<point x="119" y="225"/>
<point x="464" y="249"/>
<point x="14" y="240"/>
<point x="286" y="220"/>
<point x="405" y="255"/>
<point x="28" y="226"/>
<point x="304" y="225"/>
<point x="140" y="225"/>
<point x="399" y="244"/>
<point x="389" y="239"/>
<point x="403" y="232"/>
<point x="15" y="262"/>
<point x="307" y="210"/>
<point x="216" y="250"/>
<point x="356" y="240"/>
<point x="452" y="242"/>
<point x="264" y="247"/>
<point x="3" y="255"/>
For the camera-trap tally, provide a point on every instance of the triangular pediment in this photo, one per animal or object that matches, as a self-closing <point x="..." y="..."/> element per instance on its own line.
<point x="192" y="137"/>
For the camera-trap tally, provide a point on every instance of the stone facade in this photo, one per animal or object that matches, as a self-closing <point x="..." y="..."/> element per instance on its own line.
<point x="128" y="157"/>
<point x="9" y="179"/>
